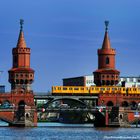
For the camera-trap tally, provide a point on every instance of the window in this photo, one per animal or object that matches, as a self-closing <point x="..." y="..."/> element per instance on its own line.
<point x="76" y="88"/>
<point x="107" y="60"/>
<point x="64" y="88"/>
<point x="15" y="59"/>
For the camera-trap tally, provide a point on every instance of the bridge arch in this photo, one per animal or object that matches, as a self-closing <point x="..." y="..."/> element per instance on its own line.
<point x="70" y="101"/>
<point x="110" y="103"/>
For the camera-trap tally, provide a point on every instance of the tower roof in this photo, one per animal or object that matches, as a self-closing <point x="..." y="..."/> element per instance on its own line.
<point x="21" y="41"/>
<point x="106" y="42"/>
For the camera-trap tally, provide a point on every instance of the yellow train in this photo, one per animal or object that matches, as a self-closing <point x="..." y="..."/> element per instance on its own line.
<point x="93" y="90"/>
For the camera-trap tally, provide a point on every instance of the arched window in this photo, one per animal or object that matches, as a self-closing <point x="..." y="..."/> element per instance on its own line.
<point x="107" y="60"/>
<point x="125" y="104"/>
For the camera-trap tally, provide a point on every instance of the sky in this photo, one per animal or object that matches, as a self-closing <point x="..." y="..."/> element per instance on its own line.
<point x="64" y="36"/>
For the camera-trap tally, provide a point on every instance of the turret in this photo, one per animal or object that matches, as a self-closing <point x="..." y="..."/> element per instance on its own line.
<point x="106" y="73"/>
<point x="21" y="75"/>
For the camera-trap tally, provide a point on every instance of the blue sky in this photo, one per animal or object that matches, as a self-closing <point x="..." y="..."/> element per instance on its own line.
<point x="64" y="36"/>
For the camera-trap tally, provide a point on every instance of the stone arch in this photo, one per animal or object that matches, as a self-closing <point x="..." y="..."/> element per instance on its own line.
<point x="121" y="116"/>
<point x="125" y="104"/>
<point x="27" y="115"/>
<point x="110" y="103"/>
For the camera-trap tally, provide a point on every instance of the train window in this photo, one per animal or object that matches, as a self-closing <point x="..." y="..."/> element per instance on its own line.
<point x="54" y="88"/>
<point x="123" y="89"/>
<point x="92" y="89"/>
<point x="82" y="88"/>
<point x="64" y="88"/>
<point x="102" y="89"/>
<point x="87" y="88"/>
<point x="59" y="88"/>
<point x="70" y="88"/>
<point x="76" y="88"/>
<point x="113" y="88"/>
<point x="119" y="89"/>
<point x="107" y="88"/>
<point x="96" y="88"/>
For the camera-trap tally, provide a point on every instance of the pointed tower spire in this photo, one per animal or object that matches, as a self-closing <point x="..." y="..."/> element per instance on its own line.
<point x="21" y="76"/>
<point x="21" y="41"/>
<point x="106" y="74"/>
<point x="106" y="42"/>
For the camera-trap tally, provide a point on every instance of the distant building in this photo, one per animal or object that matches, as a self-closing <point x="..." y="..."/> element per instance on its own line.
<point x="88" y="80"/>
<point x="129" y="81"/>
<point x="2" y="88"/>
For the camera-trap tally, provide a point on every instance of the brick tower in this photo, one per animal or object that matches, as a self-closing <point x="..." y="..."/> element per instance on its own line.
<point x="21" y="75"/>
<point x="106" y="74"/>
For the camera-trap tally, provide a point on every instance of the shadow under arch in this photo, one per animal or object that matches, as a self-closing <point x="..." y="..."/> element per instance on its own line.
<point x="77" y="116"/>
<point x="69" y="101"/>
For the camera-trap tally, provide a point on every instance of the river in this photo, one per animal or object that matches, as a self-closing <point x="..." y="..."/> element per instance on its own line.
<point x="57" y="131"/>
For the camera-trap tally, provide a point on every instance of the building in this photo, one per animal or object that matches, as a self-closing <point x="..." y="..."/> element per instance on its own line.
<point x="88" y="80"/>
<point x="131" y="81"/>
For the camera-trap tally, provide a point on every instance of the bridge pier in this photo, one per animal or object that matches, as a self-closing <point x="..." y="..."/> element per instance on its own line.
<point x="26" y="117"/>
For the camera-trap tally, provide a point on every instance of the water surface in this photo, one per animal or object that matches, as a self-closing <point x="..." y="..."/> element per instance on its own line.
<point x="57" y="131"/>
